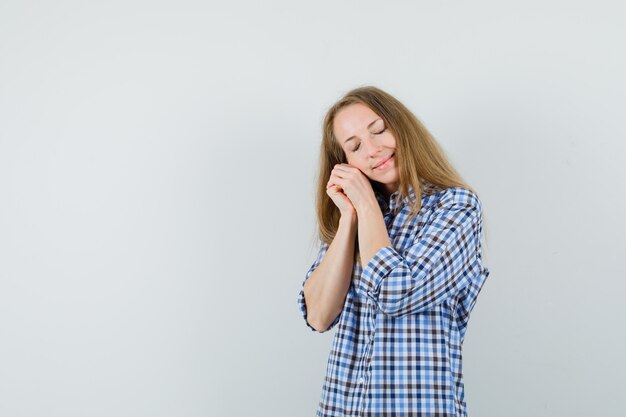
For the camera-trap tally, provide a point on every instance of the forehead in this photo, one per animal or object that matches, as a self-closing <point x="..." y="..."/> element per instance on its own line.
<point x="353" y="119"/>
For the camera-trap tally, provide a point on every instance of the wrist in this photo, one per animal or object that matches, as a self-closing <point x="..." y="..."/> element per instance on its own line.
<point x="349" y="217"/>
<point x="367" y="209"/>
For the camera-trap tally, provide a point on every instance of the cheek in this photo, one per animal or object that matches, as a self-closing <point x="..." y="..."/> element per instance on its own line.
<point x="357" y="163"/>
<point x="364" y="167"/>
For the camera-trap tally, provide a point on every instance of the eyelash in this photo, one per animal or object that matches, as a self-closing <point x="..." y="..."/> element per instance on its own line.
<point x="359" y="145"/>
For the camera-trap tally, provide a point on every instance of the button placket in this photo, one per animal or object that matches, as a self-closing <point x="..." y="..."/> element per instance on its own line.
<point x="363" y="381"/>
<point x="365" y="359"/>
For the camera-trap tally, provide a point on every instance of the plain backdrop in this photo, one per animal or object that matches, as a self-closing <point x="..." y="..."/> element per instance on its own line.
<point x="157" y="168"/>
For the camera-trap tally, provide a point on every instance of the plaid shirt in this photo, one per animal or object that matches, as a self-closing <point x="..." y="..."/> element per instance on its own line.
<point x="397" y="350"/>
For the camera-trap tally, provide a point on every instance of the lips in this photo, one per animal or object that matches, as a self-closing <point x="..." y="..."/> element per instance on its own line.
<point x="384" y="160"/>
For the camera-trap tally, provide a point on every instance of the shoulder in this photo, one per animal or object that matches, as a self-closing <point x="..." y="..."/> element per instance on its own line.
<point x="457" y="197"/>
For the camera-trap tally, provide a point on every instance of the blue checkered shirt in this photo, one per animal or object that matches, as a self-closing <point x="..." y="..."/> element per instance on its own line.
<point x="397" y="349"/>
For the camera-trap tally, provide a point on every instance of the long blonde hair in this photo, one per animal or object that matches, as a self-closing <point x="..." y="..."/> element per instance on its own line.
<point x="418" y="156"/>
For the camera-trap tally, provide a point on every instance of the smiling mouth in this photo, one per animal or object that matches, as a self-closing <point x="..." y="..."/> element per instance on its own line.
<point x="385" y="161"/>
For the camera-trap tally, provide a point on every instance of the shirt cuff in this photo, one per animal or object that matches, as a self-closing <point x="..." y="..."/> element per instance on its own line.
<point x="381" y="264"/>
<point x="302" y="305"/>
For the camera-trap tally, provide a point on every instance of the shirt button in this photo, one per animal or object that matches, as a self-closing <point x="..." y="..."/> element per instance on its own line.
<point x="361" y="380"/>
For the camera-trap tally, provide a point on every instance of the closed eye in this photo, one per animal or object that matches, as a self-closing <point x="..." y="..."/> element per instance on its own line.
<point x="359" y="145"/>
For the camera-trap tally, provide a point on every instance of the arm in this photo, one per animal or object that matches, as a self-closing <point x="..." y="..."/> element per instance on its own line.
<point x="435" y="266"/>
<point x="326" y="284"/>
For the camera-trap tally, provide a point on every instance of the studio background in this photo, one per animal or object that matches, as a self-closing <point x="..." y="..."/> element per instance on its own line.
<point x="157" y="168"/>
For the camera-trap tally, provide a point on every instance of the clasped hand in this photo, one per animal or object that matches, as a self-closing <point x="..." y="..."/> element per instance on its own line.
<point x="349" y="189"/>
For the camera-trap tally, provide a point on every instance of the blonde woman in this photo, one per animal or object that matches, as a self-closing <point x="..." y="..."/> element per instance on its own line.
<point x="399" y="267"/>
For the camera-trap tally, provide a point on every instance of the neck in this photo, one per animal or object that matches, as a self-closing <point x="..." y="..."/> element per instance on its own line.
<point x="389" y="189"/>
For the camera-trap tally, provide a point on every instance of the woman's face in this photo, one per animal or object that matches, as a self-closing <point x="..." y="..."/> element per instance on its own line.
<point x="368" y="144"/>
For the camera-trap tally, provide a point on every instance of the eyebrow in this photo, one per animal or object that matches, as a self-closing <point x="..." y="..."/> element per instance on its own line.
<point x="368" y="126"/>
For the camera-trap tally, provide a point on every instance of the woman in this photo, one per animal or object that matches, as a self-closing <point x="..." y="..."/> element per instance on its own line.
<point x="399" y="267"/>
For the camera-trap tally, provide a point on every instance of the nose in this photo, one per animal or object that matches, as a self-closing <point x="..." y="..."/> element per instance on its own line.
<point x="373" y="147"/>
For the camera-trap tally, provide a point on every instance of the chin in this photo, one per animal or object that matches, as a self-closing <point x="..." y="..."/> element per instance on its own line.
<point x="390" y="179"/>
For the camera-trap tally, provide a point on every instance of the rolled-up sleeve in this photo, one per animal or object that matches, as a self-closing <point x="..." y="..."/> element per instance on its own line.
<point x="435" y="267"/>
<point x="301" y="300"/>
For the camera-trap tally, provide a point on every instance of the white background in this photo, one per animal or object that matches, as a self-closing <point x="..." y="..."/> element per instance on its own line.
<point x="157" y="166"/>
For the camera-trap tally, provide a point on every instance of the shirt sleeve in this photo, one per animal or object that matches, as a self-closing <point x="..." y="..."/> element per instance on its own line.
<point x="435" y="267"/>
<point x="301" y="300"/>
